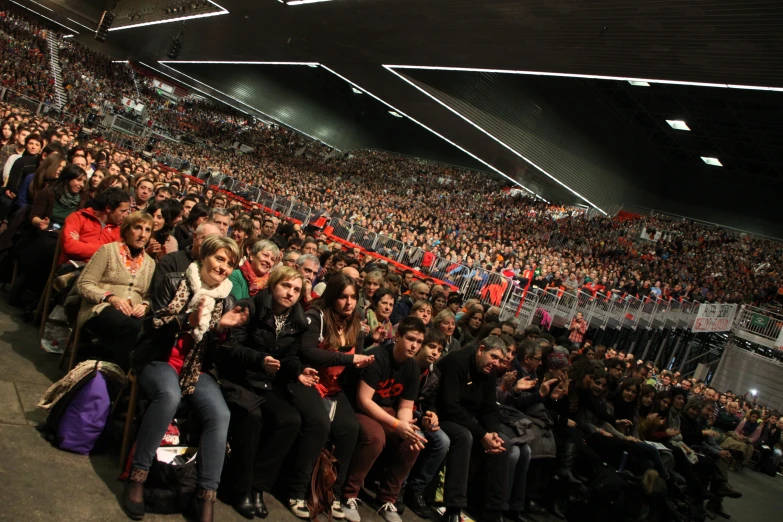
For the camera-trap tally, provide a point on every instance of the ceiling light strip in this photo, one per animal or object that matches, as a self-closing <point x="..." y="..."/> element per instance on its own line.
<point x="390" y="68"/>
<point x="165" y="64"/>
<point x="444" y="138"/>
<point x="93" y="29"/>
<point x="218" y="62"/>
<point x="302" y="2"/>
<point x="168" y="20"/>
<point x="42" y="16"/>
<point x="38" y="3"/>
<point x="587" y="76"/>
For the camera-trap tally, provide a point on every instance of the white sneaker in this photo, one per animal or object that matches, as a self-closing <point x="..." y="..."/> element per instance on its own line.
<point x="351" y="510"/>
<point x="388" y="512"/>
<point x="337" y="510"/>
<point x="299" y="508"/>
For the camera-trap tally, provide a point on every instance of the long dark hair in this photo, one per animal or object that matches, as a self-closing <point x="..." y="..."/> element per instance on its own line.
<point x="68" y="174"/>
<point x="333" y="322"/>
<point x="171" y="209"/>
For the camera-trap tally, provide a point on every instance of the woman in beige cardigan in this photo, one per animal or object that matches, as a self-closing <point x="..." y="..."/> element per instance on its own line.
<point x="114" y="287"/>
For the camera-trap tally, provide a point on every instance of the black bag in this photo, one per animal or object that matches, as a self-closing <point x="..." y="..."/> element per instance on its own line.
<point x="171" y="488"/>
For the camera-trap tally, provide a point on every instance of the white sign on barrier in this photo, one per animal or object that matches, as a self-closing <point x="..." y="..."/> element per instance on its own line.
<point x="714" y="318"/>
<point x="779" y="342"/>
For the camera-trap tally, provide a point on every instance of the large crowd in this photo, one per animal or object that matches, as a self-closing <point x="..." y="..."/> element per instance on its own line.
<point x="336" y="379"/>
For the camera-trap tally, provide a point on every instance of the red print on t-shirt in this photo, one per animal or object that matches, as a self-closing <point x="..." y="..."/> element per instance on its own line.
<point x="389" y="389"/>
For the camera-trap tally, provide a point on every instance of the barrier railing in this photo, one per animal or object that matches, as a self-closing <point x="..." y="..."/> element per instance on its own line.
<point x="759" y="322"/>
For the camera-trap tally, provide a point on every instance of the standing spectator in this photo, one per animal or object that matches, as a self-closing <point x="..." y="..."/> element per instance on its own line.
<point x="578" y="329"/>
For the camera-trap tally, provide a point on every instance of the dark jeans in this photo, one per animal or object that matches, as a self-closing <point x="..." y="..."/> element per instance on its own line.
<point x="518" y="466"/>
<point x="429" y="461"/>
<point x="260" y="440"/>
<point x="372" y="439"/>
<point x="34" y="260"/>
<point x="160" y="383"/>
<point x="119" y="333"/>
<point x="315" y="431"/>
<point x="455" y="491"/>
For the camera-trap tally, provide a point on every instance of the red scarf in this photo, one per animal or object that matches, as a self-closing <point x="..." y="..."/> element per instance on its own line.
<point x="255" y="283"/>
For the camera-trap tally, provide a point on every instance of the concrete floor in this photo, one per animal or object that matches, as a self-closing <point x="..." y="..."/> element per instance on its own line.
<point x="40" y="483"/>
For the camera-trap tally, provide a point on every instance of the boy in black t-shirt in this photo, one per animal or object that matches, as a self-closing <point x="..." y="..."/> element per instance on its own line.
<point x="385" y="395"/>
<point x="430" y="459"/>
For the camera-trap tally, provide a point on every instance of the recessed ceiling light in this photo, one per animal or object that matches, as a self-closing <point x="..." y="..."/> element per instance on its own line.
<point x="638" y="84"/>
<point x="715" y="162"/>
<point x="357" y="91"/>
<point x="678" y="124"/>
<point x="395" y="114"/>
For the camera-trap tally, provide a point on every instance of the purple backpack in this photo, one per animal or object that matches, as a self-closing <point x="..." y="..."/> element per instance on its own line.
<point x="85" y="417"/>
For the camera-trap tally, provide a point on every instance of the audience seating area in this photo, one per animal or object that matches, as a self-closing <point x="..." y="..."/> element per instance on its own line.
<point x="273" y="323"/>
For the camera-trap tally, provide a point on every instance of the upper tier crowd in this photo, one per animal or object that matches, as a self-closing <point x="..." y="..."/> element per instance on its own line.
<point x="286" y="346"/>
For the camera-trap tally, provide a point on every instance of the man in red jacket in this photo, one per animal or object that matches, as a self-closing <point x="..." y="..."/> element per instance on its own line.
<point x="86" y="230"/>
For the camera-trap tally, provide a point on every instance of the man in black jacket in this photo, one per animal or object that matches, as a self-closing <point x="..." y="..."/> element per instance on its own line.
<point x="425" y="412"/>
<point x="469" y="415"/>
<point x="180" y="260"/>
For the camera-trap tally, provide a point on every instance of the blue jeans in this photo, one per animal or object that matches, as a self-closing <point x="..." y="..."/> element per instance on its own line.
<point x="160" y="383"/>
<point x="518" y="464"/>
<point x="429" y="460"/>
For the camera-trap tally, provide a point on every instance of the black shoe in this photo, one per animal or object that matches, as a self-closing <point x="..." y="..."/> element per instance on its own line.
<point x="260" y="505"/>
<point x="534" y="508"/>
<point x="415" y="501"/>
<point x="134" y="510"/>
<point x="557" y="511"/>
<point x="717" y="508"/>
<point x="452" y="515"/>
<point x="727" y="491"/>
<point x="245" y="507"/>
<point x="517" y="516"/>
<point x="492" y="516"/>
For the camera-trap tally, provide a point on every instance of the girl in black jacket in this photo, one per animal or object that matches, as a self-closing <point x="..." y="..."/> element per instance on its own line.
<point x="256" y="366"/>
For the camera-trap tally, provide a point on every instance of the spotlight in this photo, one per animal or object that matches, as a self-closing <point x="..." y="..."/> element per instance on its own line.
<point x="104" y="25"/>
<point x="175" y="48"/>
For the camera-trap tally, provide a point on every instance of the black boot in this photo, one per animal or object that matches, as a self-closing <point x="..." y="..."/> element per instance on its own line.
<point x="260" y="505"/>
<point x="716" y="506"/>
<point x="567" y="461"/>
<point x="133" y="496"/>
<point x="206" y="505"/>
<point x="415" y="501"/>
<point x="452" y="515"/>
<point x="244" y="506"/>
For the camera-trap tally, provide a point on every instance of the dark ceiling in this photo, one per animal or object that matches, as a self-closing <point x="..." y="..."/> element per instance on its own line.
<point x="628" y="155"/>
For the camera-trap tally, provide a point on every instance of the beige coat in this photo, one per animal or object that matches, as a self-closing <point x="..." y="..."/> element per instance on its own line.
<point x="106" y="272"/>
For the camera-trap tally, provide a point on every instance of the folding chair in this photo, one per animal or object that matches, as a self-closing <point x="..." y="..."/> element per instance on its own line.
<point x="45" y="302"/>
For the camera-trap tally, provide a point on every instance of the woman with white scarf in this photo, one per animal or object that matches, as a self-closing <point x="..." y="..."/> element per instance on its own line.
<point x="174" y="361"/>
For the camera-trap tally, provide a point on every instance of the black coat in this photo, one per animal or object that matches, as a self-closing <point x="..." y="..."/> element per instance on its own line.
<point x="156" y="343"/>
<point x="241" y="360"/>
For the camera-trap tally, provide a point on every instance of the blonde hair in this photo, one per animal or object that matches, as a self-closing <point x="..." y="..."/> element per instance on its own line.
<point x="442" y="316"/>
<point x="418" y="305"/>
<point x="283" y="273"/>
<point x="213" y="242"/>
<point x="134" y="219"/>
<point x="264" y="245"/>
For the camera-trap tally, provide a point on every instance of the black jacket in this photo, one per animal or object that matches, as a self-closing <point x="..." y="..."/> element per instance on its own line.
<point x="241" y="359"/>
<point x="170" y="263"/>
<point x="428" y="390"/>
<point x="26" y="164"/>
<point x="466" y="395"/>
<point x="156" y="343"/>
<point x="691" y="430"/>
<point x="313" y="355"/>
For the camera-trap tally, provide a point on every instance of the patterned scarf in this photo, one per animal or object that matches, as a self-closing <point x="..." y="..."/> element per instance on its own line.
<point x="132" y="263"/>
<point x="255" y="283"/>
<point x="188" y="296"/>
